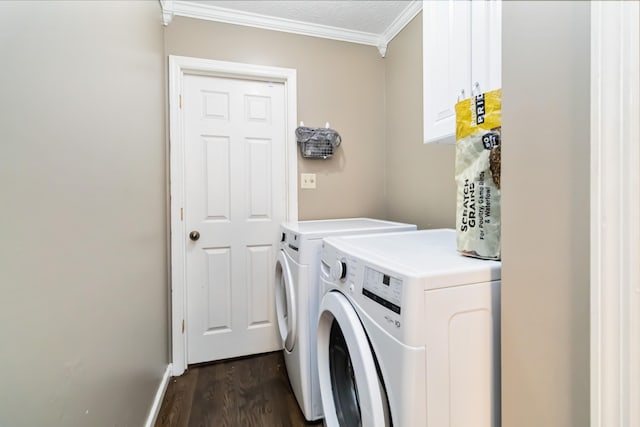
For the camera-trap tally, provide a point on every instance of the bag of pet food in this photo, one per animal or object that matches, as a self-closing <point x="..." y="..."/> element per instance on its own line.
<point x="478" y="124"/>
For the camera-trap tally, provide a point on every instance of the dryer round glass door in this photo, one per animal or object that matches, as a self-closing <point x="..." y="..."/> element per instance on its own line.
<point x="350" y="386"/>
<point x="285" y="302"/>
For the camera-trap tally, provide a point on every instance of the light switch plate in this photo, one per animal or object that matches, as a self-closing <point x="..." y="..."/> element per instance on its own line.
<point x="308" y="180"/>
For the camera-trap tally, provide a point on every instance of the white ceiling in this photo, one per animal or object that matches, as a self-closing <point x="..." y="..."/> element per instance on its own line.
<point x="359" y="21"/>
<point x="367" y="16"/>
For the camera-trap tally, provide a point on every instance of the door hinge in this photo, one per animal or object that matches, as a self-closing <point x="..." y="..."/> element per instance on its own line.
<point x="180" y="101"/>
<point x="183" y="326"/>
<point x="181" y="214"/>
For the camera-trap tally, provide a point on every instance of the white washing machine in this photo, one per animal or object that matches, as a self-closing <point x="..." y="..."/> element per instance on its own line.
<point x="408" y="333"/>
<point x="298" y="296"/>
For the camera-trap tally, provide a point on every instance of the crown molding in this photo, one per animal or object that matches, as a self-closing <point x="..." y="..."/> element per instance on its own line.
<point x="413" y="8"/>
<point x="167" y="11"/>
<point x="189" y="9"/>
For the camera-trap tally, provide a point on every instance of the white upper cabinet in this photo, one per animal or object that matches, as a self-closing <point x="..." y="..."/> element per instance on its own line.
<point x="461" y="48"/>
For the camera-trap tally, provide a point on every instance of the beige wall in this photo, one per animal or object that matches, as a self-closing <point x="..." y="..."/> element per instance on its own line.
<point x="545" y="210"/>
<point x="338" y="82"/>
<point x="420" y="186"/>
<point x="83" y="317"/>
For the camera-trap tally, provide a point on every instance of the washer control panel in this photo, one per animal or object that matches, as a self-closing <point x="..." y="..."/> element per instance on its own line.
<point x="383" y="289"/>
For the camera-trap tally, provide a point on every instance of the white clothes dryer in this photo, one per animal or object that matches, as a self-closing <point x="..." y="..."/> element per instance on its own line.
<point x="298" y="296"/>
<point x="408" y="333"/>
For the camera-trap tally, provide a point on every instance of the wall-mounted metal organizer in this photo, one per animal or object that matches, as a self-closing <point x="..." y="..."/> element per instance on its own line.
<point x="317" y="143"/>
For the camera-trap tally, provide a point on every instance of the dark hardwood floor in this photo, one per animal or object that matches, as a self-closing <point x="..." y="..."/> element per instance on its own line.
<point x="252" y="391"/>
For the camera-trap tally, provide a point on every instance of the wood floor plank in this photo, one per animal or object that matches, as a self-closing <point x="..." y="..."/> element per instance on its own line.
<point x="252" y="391"/>
<point x="215" y="399"/>
<point x="257" y="384"/>
<point x="280" y="398"/>
<point x="176" y="406"/>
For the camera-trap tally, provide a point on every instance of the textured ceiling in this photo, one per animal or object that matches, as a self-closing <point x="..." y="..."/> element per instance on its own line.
<point x="358" y="15"/>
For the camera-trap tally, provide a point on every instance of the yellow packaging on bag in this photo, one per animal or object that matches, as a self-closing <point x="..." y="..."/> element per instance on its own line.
<point x="478" y="142"/>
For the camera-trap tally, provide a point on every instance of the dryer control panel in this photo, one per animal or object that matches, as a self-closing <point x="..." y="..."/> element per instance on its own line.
<point x="383" y="289"/>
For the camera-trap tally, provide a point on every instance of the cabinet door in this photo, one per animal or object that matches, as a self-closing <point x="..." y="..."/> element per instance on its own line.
<point x="446" y="29"/>
<point x="486" y="44"/>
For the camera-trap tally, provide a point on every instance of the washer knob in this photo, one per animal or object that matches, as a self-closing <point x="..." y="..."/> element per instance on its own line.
<point x="339" y="270"/>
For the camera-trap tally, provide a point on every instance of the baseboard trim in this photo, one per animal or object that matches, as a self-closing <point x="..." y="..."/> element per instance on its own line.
<point x="157" y="401"/>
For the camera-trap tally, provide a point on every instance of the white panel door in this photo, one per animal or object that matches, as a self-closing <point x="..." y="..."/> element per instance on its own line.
<point x="235" y="199"/>
<point x="461" y="47"/>
<point x="486" y="44"/>
<point x="446" y="65"/>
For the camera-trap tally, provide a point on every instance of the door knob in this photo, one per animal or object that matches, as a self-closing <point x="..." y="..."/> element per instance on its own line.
<point x="194" y="235"/>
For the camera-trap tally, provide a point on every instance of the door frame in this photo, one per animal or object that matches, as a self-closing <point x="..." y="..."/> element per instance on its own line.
<point x="615" y="208"/>
<point x="179" y="67"/>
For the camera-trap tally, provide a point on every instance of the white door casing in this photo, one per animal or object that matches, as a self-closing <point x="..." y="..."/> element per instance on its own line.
<point x="615" y="209"/>
<point x="223" y="246"/>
